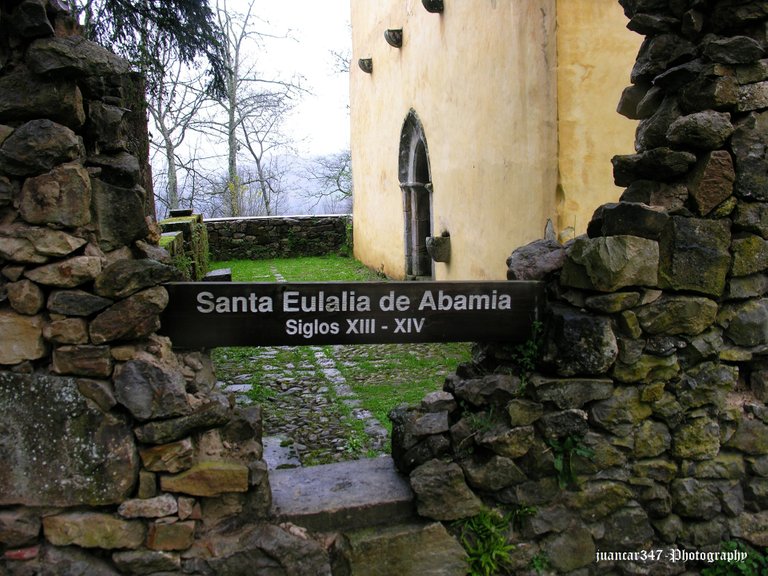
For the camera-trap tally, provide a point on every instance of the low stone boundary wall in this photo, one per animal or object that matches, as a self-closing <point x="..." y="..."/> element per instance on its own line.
<point x="278" y="236"/>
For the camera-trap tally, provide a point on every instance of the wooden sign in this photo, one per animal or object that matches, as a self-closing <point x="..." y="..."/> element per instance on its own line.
<point x="212" y="314"/>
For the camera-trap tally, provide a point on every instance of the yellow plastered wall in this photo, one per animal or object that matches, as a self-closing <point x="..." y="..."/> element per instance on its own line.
<point x="483" y="79"/>
<point x="596" y="53"/>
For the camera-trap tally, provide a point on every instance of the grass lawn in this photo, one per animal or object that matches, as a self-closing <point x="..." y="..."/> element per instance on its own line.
<point x="328" y="268"/>
<point x="380" y="375"/>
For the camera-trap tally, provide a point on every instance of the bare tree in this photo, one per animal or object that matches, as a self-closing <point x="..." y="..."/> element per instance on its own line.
<point x="252" y="107"/>
<point x="264" y="140"/>
<point x="173" y="106"/>
<point x="263" y="186"/>
<point x="330" y="179"/>
<point x="341" y="60"/>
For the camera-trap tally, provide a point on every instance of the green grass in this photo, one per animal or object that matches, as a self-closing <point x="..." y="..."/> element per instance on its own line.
<point x="330" y="268"/>
<point x="386" y="375"/>
<point x="231" y="362"/>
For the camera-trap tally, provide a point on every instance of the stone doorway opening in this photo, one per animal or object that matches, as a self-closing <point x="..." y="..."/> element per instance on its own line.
<point x="416" y="184"/>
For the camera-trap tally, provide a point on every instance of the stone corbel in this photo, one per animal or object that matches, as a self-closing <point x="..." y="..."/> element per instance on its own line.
<point x="439" y="248"/>
<point x="394" y="37"/>
<point x="434" y="6"/>
<point x="366" y="65"/>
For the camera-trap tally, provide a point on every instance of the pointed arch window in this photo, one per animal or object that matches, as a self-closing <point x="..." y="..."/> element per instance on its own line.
<point x="416" y="184"/>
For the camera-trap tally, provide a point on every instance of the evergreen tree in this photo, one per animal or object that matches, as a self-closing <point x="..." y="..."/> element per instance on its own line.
<point x="145" y="31"/>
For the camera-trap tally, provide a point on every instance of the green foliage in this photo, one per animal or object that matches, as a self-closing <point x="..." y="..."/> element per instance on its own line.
<point x="520" y="513"/>
<point x="306" y="269"/>
<point x="229" y="361"/>
<point x="480" y="421"/>
<point x="539" y="563"/>
<point x="526" y="355"/>
<point x="563" y="451"/>
<point x="348" y="248"/>
<point x="194" y="260"/>
<point x="183" y="264"/>
<point x="755" y="564"/>
<point x="202" y="251"/>
<point x="296" y="243"/>
<point x="484" y="538"/>
<point x="259" y="393"/>
<point x="146" y="32"/>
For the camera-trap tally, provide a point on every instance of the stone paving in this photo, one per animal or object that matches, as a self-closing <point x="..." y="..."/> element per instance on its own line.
<point x="309" y="407"/>
<point x="303" y="417"/>
<point x="311" y="414"/>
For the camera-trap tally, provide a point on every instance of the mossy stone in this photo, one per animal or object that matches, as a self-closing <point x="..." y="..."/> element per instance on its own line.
<point x="750" y="255"/>
<point x="647" y="369"/>
<point x="751" y="437"/>
<point x="698" y="439"/>
<point x="651" y="439"/>
<point x="597" y="500"/>
<point x="658" y="469"/>
<point x="620" y="413"/>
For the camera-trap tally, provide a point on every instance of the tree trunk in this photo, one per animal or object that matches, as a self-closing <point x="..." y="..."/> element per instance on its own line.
<point x="233" y="183"/>
<point x="173" y="182"/>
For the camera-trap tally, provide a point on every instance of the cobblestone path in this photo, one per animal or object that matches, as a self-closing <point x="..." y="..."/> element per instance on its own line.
<point x="308" y="399"/>
<point x="314" y="398"/>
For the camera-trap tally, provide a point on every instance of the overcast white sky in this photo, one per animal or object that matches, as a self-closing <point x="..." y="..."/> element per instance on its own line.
<point x="320" y="125"/>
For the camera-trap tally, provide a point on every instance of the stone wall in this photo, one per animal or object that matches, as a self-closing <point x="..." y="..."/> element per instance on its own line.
<point x="118" y="454"/>
<point x="185" y="237"/>
<point x="278" y="236"/>
<point x="645" y="425"/>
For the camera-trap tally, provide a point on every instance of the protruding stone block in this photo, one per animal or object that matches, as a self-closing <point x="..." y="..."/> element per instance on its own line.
<point x="173" y="457"/>
<point x="36" y="147"/>
<point x="174" y="536"/>
<point x="610" y="263"/>
<point x="93" y="530"/>
<point x="442" y="493"/>
<point x="150" y="389"/>
<point x="61" y="196"/>
<point x="155" y="507"/>
<point x="694" y="255"/>
<point x="208" y="479"/>
<point x="67" y="273"/>
<point x="21" y="337"/>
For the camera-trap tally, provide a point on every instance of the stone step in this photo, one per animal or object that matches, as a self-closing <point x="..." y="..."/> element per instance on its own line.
<point x="342" y="496"/>
<point x="279" y="451"/>
<point x="408" y="549"/>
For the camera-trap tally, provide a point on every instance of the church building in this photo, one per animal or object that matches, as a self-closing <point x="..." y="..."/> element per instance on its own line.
<point x="475" y="122"/>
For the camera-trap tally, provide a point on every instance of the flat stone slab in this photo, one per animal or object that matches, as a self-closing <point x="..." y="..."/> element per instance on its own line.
<point x="342" y="496"/>
<point x="411" y="549"/>
<point x="278" y="454"/>
<point x="219" y="275"/>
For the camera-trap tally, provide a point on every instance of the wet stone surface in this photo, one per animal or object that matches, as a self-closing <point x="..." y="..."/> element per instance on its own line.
<point x="311" y="413"/>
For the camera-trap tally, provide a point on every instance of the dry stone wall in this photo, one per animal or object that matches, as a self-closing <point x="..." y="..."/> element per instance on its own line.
<point x="118" y="455"/>
<point x="278" y="236"/>
<point x="645" y="425"/>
